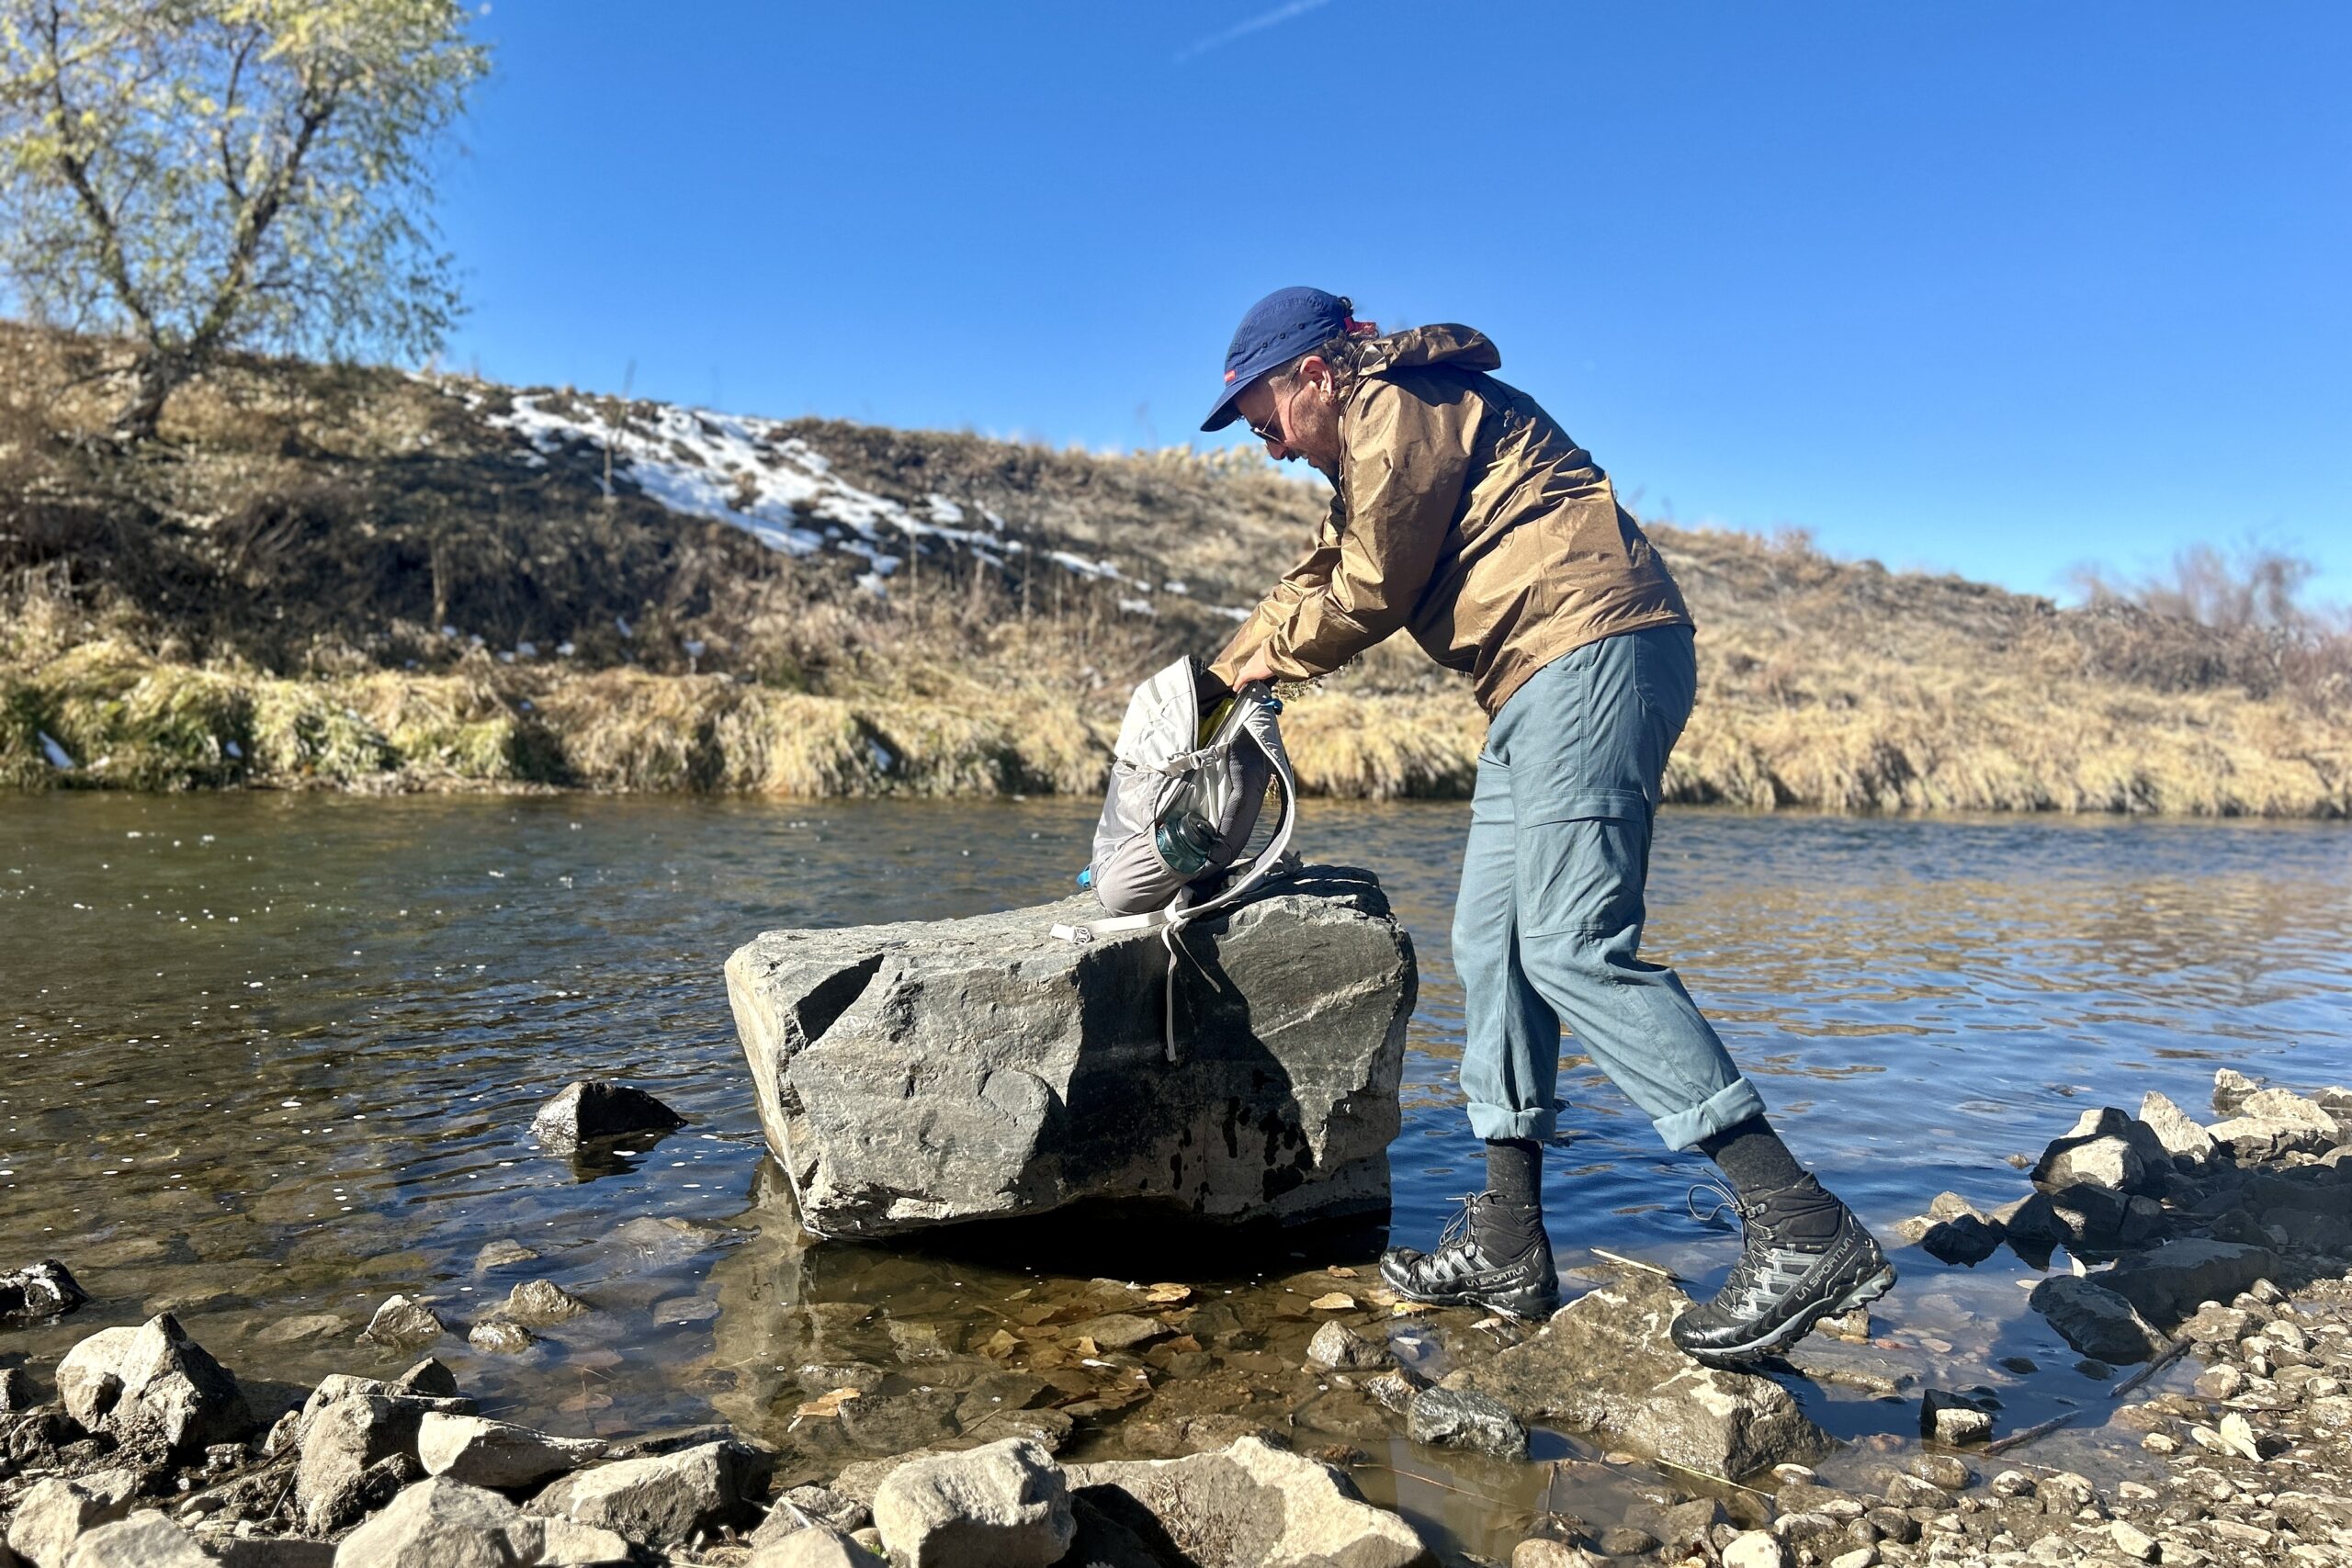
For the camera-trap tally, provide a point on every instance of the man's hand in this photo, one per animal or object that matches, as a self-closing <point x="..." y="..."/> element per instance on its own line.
<point x="1254" y="668"/>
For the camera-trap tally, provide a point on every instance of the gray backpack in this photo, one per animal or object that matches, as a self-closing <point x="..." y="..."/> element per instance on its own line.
<point x="1181" y="810"/>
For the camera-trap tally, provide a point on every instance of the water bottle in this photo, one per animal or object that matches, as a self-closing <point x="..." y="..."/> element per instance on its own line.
<point x="1185" y="841"/>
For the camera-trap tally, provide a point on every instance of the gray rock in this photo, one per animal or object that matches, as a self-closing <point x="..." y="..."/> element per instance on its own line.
<point x="2230" y="1088"/>
<point x="542" y="1302"/>
<point x="152" y="1382"/>
<point x="2095" y="1320"/>
<point x="1964" y="1239"/>
<point x="2273" y="1121"/>
<point x="813" y="1546"/>
<point x="53" y="1514"/>
<point x="1249" y="1506"/>
<point x="924" y="1073"/>
<point x="145" y="1539"/>
<point x="1954" y="1419"/>
<point x="17" y="1392"/>
<point x="1004" y="1504"/>
<point x="1112" y="1331"/>
<point x="1605" y="1365"/>
<point x="502" y="1253"/>
<point x="1466" y="1418"/>
<point x="1338" y="1347"/>
<point x="663" y="1497"/>
<point x="500" y="1336"/>
<point x="442" y="1523"/>
<point x="2189" y="1144"/>
<point x="494" y="1454"/>
<point x="2107" y="1149"/>
<point x="591" y="1109"/>
<point x="404" y="1322"/>
<point x="1395" y="1387"/>
<point x="37" y="1293"/>
<point x="1947" y="1472"/>
<point x="1755" y="1549"/>
<point x="343" y="1442"/>
<point x="2168" y="1283"/>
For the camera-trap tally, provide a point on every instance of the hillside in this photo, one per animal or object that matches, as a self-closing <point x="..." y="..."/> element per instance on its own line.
<point x="357" y="578"/>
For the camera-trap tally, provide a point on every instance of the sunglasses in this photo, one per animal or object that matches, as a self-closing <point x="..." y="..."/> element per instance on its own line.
<point x="1273" y="431"/>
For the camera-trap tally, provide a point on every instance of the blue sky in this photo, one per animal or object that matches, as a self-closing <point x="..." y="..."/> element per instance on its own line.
<point x="1991" y="288"/>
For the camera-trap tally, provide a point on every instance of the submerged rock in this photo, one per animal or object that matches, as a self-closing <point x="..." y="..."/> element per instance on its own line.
<point x="37" y="1292"/>
<point x="1249" y="1505"/>
<point x="1466" y="1418"/>
<point x="591" y="1109"/>
<point x="1605" y="1365"/>
<point x="929" y="1073"/>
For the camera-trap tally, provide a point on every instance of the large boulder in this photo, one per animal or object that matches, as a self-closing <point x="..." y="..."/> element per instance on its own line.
<point x="153" y="1383"/>
<point x="1249" y="1505"/>
<point x="924" y="1073"/>
<point x="1605" y="1365"/>
<point x="1004" y="1504"/>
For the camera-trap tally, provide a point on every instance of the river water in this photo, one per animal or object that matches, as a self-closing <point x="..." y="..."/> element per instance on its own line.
<point x="270" y="1058"/>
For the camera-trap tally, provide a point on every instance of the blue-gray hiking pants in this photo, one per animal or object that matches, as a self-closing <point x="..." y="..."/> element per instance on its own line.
<point x="1547" y="931"/>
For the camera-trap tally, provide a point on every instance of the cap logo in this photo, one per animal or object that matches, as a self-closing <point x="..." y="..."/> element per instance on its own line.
<point x="1228" y="375"/>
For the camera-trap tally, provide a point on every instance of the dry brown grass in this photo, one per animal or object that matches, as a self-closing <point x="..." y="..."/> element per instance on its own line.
<point x="259" y="602"/>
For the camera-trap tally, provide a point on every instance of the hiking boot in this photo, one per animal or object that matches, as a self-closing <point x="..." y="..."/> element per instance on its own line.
<point x="1468" y="1269"/>
<point x="1805" y="1258"/>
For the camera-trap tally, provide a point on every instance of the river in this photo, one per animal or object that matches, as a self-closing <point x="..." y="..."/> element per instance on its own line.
<point x="270" y="1058"/>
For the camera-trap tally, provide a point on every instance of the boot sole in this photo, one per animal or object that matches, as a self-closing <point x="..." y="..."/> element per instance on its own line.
<point x="1526" y="1304"/>
<point x="1798" y="1326"/>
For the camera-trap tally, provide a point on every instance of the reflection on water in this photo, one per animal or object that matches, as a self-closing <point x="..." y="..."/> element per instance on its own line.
<point x="270" y="1059"/>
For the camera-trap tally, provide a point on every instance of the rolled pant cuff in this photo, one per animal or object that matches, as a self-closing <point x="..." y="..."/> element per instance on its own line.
<point x="1490" y="1121"/>
<point x="1728" y="1106"/>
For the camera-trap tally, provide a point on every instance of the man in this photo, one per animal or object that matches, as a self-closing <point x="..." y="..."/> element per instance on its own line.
<point x="1464" y="514"/>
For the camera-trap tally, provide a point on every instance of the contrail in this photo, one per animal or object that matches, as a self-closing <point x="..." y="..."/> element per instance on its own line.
<point x="1242" y="29"/>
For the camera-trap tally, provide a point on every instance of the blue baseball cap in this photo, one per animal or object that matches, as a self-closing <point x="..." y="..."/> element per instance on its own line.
<point x="1275" y="331"/>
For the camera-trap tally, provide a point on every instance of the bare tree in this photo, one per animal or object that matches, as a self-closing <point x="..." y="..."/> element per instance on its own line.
<point x="197" y="175"/>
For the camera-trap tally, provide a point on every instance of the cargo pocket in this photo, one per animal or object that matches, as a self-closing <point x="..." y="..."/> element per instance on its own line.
<point x="1582" y="875"/>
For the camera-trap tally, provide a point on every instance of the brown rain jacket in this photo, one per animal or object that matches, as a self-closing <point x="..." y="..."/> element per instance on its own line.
<point x="1465" y="515"/>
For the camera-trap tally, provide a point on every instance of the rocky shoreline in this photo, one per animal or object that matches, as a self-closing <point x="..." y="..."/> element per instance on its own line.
<point x="2218" y="1249"/>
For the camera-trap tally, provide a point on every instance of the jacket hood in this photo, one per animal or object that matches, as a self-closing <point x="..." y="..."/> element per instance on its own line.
<point x="1440" y="343"/>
